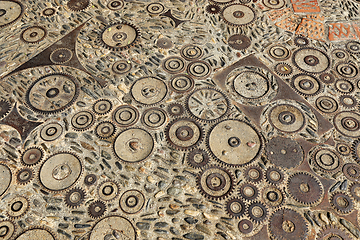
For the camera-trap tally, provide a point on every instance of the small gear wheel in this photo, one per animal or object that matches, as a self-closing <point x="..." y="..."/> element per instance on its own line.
<point x="257" y="212"/>
<point x="5" y="108"/>
<point x="32" y="156"/>
<point x="82" y="120"/>
<point x="48" y="12"/>
<point x="33" y="34"/>
<point x="353" y="47"/>
<point x="348" y="101"/>
<point x="164" y="43"/>
<point x="248" y="192"/>
<point x="61" y="55"/>
<point x="198" y="158"/>
<point x="355" y="191"/>
<point x="352" y="172"/>
<point x="105" y="130"/>
<point x="343" y="149"/>
<point x="175" y="109"/>
<point x="24" y="176"/>
<point x="274" y="176"/>
<point x="342" y="203"/>
<point x="17" y="207"/>
<point x="97" y="209"/>
<point x="306" y="85"/>
<point x="74" y="197"/>
<point x="235" y="208"/>
<point x="239" y="41"/>
<point x="254" y="174"/>
<point x="301" y="41"/>
<point x="90" y="179"/>
<point x="8" y="228"/>
<point x="108" y="190"/>
<point x="78" y="5"/>
<point x="283" y="69"/>
<point x="273" y="197"/>
<point x="213" y="9"/>
<point x="215" y="182"/>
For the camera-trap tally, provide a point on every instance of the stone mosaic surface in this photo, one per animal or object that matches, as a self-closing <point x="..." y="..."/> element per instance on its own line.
<point x="179" y="119"/>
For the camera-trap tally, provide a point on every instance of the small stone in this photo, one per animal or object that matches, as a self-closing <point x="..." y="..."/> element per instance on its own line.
<point x="203" y="228"/>
<point x="143" y="225"/>
<point x="150" y="179"/>
<point x="161" y="225"/>
<point x="211" y="216"/>
<point x="191" y="220"/>
<point x="174" y="231"/>
<point x="174" y="206"/>
<point x="194" y="236"/>
<point x="160" y="194"/>
<point x="192" y="213"/>
<point x="251" y="144"/>
<point x="173" y="191"/>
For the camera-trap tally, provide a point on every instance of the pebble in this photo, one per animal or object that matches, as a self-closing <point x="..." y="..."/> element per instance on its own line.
<point x="174" y="191"/>
<point x="193" y="236"/>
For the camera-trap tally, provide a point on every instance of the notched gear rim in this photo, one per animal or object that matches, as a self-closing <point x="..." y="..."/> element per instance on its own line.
<point x="103" y="184"/>
<point x="24" y="211"/>
<point x="282" y="73"/>
<point x="103" y="137"/>
<point x="249" y="179"/>
<point x="76" y="9"/>
<point x="91" y="209"/>
<point x="354" y="147"/>
<point x="102" y="100"/>
<point x="49" y="230"/>
<point x="299" y="44"/>
<point x="5" y="108"/>
<point x="333" y="230"/>
<point x="181" y="107"/>
<point x="278" y="170"/>
<point x="37" y="41"/>
<point x="233" y="214"/>
<point x="254" y="218"/>
<point x="69" y="203"/>
<point x="209" y="10"/>
<point x="100" y="42"/>
<point x="205" y="120"/>
<point x="237" y="25"/>
<point x="201" y="133"/>
<point x="22" y="11"/>
<point x="312" y="48"/>
<point x="88" y="126"/>
<point x="346" y="210"/>
<point x="342" y="103"/>
<point x="320" y="90"/>
<point x="22" y="182"/>
<point x="244" y="197"/>
<point x="205" y="194"/>
<point x="69" y="104"/>
<point x="195" y="164"/>
<point x="40" y="160"/>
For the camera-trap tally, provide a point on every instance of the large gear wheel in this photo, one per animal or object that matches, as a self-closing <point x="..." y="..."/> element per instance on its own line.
<point x="58" y="88"/>
<point x="60" y="171"/>
<point x="207" y="104"/>
<point x="279" y="150"/>
<point x="6" y="177"/>
<point x="36" y="233"/>
<point x="238" y="15"/>
<point x="287" y="224"/>
<point x="342" y="203"/>
<point x="330" y="232"/>
<point x="75" y="197"/>
<point x="305" y="188"/>
<point x="33" y="34"/>
<point x="119" y="36"/>
<point x="215" y="182"/>
<point x="12" y="11"/>
<point x="235" y="208"/>
<point x="311" y="60"/>
<point x="287" y="118"/>
<point x="149" y="90"/>
<point x="133" y="145"/>
<point x="348" y="123"/>
<point x="234" y="142"/>
<point x="184" y="133"/>
<point x="119" y="228"/>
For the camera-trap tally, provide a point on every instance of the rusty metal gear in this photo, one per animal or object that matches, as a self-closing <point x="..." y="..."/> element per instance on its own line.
<point x="257" y="212"/>
<point x="5" y="108"/>
<point x="326" y="160"/>
<point x="347" y="123"/>
<point x="354" y="189"/>
<point x="326" y="104"/>
<point x="340" y="55"/>
<point x="121" y="67"/>
<point x="105" y="130"/>
<point x="184" y="133"/>
<point x="274" y="176"/>
<point x="341" y="202"/>
<point x="75" y="197"/>
<point x="239" y="42"/>
<point x="248" y="192"/>
<point x="301" y="41"/>
<point x="238" y="15"/>
<point x="304" y="188"/>
<point x="279" y="150"/>
<point x="119" y="36"/>
<point x="352" y="172"/>
<point x="48" y="12"/>
<point x="287" y="118"/>
<point x="17" y="207"/>
<point x="149" y="90"/>
<point x="90" y="179"/>
<point x="61" y="55"/>
<point x="222" y="1"/>
<point x="235" y="208"/>
<point x="213" y="9"/>
<point x="83" y="120"/>
<point x="343" y="149"/>
<point x="355" y="150"/>
<point x="198" y="158"/>
<point x="311" y="60"/>
<point x="12" y="10"/>
<point x="175" y="109"/>
<point x="108" y="190"/>
<point x="277" y="4"/>
<point x="33" y="34"/>
<point x="116" y="5"/>
<point x="347" y="70"/>
<point x="283" y="69"/>
<point x="327" y="78"/>
<point x="348" y="101"/>
<point x="344" y="86"/>
<point x="330" y="232"/>
<point x="7" y="229"/>
<point x="174" y="65"/>
<point x="273" y="197"/>
<point x="24" y="176"/>
<point x="254" y="174"/>
<point x="97" y="209"/>
<point x="245" y="226"/>
<point x="215" y="182"/>
<point x="287" y="224"/>
<point x="306" y="85"/>
<point x="32" y="156"/>
<point x="182" y="83"/>
<point x="78" y="5"/>
<point x="353" y="47"/>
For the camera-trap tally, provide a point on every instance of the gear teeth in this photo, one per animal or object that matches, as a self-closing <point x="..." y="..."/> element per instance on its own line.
<point x="320" y="90"/>
<point x="195" y="164"/>
<point x="5" y="108"/>
<point x="348" y="106"/>
<point x="34" y="42"/>
<point x="108" y="181"/>
<point x="281" y="176"/>
<point x="221" y="2"/>
<point x="240" y="211"/>
<point x="354" y="152"/>
<point x="213" y="9"/>
<point x="102" y="100"/>
<point x="34" y="147"/>
<point x="22" y="11"/>
<point x="236" y="25"/>
<point x="252" y="217"/>
<point x="303" y="70"/>
<point x="288" y="69"/>
<point x="347" y="209"/>
<point x="333" y="230"/>
<point x="248" y="198"/>
<point x="102" y="137"/>
<point x="179" y="106"/>
<point x="301" y="41"/>
<point x="79" y="190"/>
<point x="24" y="211"/>
<point x="93" y="120"/>
<point x="96" y="215"/>
<point x="87" y="4"/>
<point x="22" y="182"/>
<point x="50" y="231"/>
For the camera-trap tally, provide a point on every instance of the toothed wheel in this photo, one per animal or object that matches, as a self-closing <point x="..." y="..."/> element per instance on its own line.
<point x="83" y="120"/>
<point x="5" y="108"/>
<point x="330" y="232"/>
<point x="353" y="47"/>
<point x="75" y="197"/>
<point x="102" y="106"/>
<point x="132" y="201"/>
<point x="274" y="176"/>
<point x="6" y="176"/>
<point x="311" y="60"/>
<point x="175" y="109"/>
<point x="283" y="69"/>
<point x="11" y="11"/>
<point x="108" y="190"/>
<point x="8" y="228"/>
<point x="198" y="158"/>
<point x="149" y="90"/>
<point x="301" y="41"/>
<point x="117" y="227"/>
<point x="306" y="85"/>
<point x="119" y="36"/>
<point x="17" y="207"/>
<point x="348" y="123"/>
<point x="215" y="182"/>
<point x="326" y="104"/>
<point x="257" y="212"/>
<point x="78" y="5"/>
<point x="274" y="4"/>
<point x="347" y="70"/>
<point x="213" y="9"/>
<point x="348" y="101"/>
<point x="33" y="34"/>
<point x="327" y="160"/>
<point x="61" y="55"/>
<point x="24" y="176"/>
<point x="305" y="188"/>
<point x="36" y="233"/>
<point x="352" y="172"/>
<point x="105" y="130"/>
<point x="254" y="174"/>
<point x="97" y="209"/>
<point x="342" y="203"/>
<point x="235" y="208"/>
<point x="248" y="192"/>
<point x="273" y="197"/>
<point x="238" y="15"/>
<point x="344" y="86"/>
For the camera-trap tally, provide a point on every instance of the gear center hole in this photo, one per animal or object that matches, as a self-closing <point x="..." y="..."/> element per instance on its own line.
<point x="342" y="202"/>
<point x="304" y="187"/>
<point x="17" y="206"/>
<point x="4" y="230"/>
<point x="288" y="226"/>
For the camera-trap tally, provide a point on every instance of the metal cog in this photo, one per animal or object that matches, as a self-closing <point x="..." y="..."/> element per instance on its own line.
<point x="149" y="90"/>
<point x="279" y="52"/>
<point x="353" y="47"/>
<point x="355" y="150"/>
<point x="330" y="232"/>
<point x="155" y="8"/>
<point x="274" y="176"/>
<point x="108" y="190"/>
<point x="248" y="192"/>
<point x="327" y="78"/>
<point x="239" y="42"/>
<point x="83" y="120"/>
<point x="17" y="207"/>
<point x="235" y="208"/>
<point x="48" y="12"/>
<point x="340" y="54"/>
<point x="78" y="5"/>
<point x="8" y="228"/>
<point x="74" y="197"/>
<point x="96" y="209"/>
<point x="52" y="91"/>
<point x="301" y="41"/>
<point x="102" y="106"/>
<point x="348" y="101"/>
<point x="207" y="104"/>
<point x="326" y="160"/>
<point x="90" y="179"/>
<point x="24" y="176"/>
<point x="175" y="109"/>
<point x="32" y="156"/>
<point x="215" y="182"/>
<point x="306" y="85"/>
<point x="119" y="36"/>
<point x="352" y="172"/>
<point x="198" y="158"/>
<point x="61" y="55"/>
<point x="257" y="212"/>
<point x="273" y="197"/>
<point x="34" y="232"/>
<point x="355" y="191"/>
<point x="184" y="133"/>
<point x="5" y="108"/>
<point x="326" y="104"/>
<point x="283" y="69"/>
<point x="191" y="52"/>
<point x="344" y="86"/>
<point x="304" y="188"/>
<point x="343" y="149"/>
<point x="347" y="70"/>
<point x="221" y="2"/>
<point x="342" y="203"/>
<point x="238" y="15"/>
<point x="213" y="9"/>
<point x="105" y="130"/>
<point x="254" y="174"/>
<point x="33" y="34"/>
<point x="311" y="60"/>
<point x="287" y="224"/>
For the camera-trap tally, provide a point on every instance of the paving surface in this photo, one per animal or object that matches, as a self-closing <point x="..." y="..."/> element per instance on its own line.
<point x="179" y="119"/>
